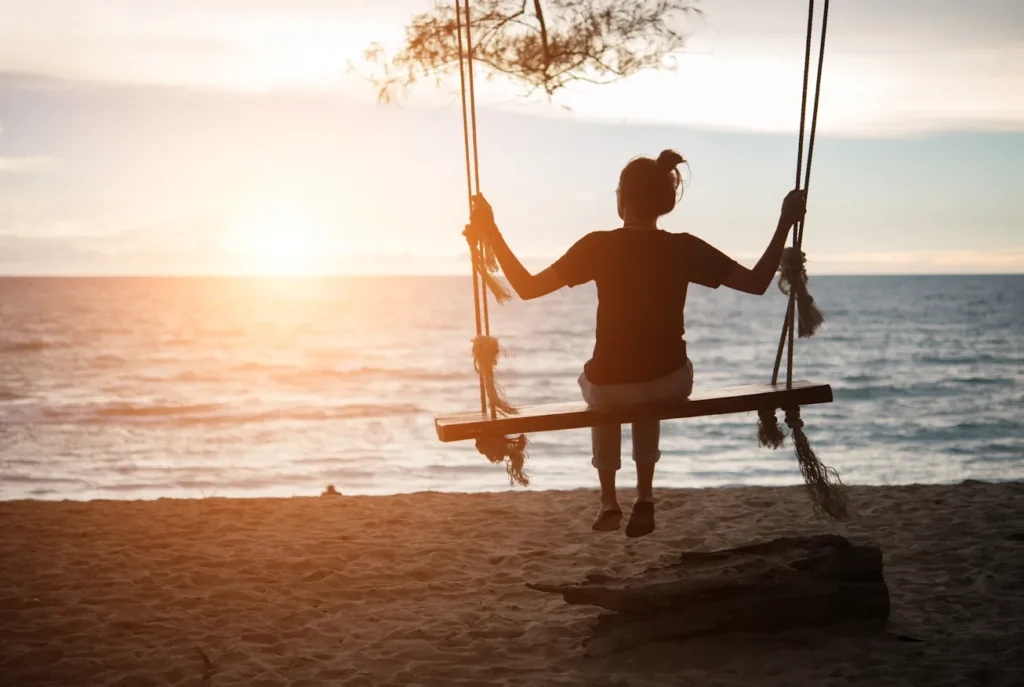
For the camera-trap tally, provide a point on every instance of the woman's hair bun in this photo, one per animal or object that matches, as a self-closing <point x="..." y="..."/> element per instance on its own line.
<point x="669" y="160"/>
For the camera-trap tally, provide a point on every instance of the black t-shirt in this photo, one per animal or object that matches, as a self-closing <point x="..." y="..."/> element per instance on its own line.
<point x="642" y="276"/>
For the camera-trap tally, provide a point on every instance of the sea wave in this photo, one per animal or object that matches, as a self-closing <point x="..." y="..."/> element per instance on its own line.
<point x="878" y="392"/>
<point x="185" y="415"/>
<point x="973" y="359"/>
<point x="106" y="361"/>
<point x="295" y="374"/>
<point x="967" y="430"/>
<point x="370" y="373"/>
<point x="985" y="381"/>
<point x="129" y="410"/>
<point x="29" y="346"/>
<point x="7" y="395"/>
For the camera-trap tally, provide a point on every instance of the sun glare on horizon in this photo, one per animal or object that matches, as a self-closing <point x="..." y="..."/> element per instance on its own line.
<point x="277" y="239"/>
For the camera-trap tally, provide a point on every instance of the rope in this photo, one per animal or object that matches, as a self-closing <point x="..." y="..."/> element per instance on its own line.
<point x="823" y="483"/>
<point x="803" y="96"/>
<point x="474" y="249"/>
<point x="484" y="263"/>
<point x="794" y="281"/>
<point x="487" y="253"/>
<point x="486" y="349"/>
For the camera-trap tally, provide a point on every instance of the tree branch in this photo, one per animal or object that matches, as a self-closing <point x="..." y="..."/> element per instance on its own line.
<point x="543" y="35"/>
<point x="594" y="41"/>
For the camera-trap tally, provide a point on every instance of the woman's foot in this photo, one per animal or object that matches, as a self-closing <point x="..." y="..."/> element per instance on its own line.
<point x="608" y="519"/>
<point x="641" y="520"/>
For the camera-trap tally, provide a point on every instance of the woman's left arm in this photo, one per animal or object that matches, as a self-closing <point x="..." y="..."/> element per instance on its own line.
<point x="527" y="286"/>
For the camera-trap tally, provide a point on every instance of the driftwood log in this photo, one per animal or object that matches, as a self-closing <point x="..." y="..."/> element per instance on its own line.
<point x="784" y="583"/>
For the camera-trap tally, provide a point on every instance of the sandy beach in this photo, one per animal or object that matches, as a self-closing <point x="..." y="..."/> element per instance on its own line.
<point x="430" y="589"/>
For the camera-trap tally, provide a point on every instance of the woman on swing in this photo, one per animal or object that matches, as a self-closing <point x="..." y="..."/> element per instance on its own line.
<point x="642" y="273"/>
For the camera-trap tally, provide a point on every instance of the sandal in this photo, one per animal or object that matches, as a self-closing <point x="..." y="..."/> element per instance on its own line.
<point x="607" y="521"/>
<point x="641" y="520"/>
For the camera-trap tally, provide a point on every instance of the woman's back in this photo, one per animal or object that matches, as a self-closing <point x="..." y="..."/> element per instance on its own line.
<point x="642" y="277"/>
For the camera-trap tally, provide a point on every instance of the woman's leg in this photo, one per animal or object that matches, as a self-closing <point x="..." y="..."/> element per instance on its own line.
<point x="607" y="446"/>
<point x="647" y="433"/>
<point x="646" y="453"/>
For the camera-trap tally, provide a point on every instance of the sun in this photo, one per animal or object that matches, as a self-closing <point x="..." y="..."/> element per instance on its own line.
<point x="276" y="239"/>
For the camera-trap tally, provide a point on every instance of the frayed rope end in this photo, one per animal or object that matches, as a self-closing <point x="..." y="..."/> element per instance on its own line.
<point x="769" y="434"/>
<point x="509" y="450"/>
<point x="486" y="350"/>
<point x="793" y="277"/>
<point x="827" y="492"/>
<point x="497" y="287"/>
<point x="485" y="263"/>
<point x="808" y="315"/>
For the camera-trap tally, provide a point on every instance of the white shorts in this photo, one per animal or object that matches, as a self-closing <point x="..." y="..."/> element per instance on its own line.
<point x="673" y="386"/>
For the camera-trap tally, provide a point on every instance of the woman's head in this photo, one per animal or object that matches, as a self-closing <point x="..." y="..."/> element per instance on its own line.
<point x="649" y="188"/>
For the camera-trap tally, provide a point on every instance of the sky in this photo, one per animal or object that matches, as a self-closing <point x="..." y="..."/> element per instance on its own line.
<point x="229" y="136"/>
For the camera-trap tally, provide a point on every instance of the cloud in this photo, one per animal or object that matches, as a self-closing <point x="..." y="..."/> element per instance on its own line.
<point x="18" y="253"/>
<point x="1005" y="261"/>
<point x="37" y="163"/>
<point x="892" y="68"/>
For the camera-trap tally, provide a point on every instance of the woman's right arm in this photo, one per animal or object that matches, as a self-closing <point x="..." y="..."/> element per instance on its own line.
<point x="757" y="280"/>
<point x="526" y="285"/>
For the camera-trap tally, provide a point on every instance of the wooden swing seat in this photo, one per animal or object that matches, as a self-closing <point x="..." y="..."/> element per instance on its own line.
<point x="559" y="416"/>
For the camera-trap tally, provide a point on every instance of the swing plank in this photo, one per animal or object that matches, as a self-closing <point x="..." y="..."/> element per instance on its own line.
<point x="560" y="416"/>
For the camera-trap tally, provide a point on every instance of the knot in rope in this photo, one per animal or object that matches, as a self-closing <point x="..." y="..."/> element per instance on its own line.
<point x="792" y="266"/>
<point x="769" y="434"/>
<point x="498" y="449"/>
<point x="828" y="495"/>
<point x="793" y="419"/>
<point x="511" y="451"/>
<point x="793" y="283"/>
<point x="486" y="350"/>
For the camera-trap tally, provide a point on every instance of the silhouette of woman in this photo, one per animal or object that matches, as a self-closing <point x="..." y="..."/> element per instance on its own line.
<point x="642" y="273"/>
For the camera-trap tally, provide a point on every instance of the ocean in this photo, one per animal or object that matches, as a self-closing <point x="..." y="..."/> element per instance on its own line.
<point x="127" y="388"/>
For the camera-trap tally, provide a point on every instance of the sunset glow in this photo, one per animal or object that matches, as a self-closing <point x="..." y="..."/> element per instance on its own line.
<point x="237" y="124"/>
<point x="297" y="54"/>
<point x="276" y="240"/>
<point x="438" y="342"/>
